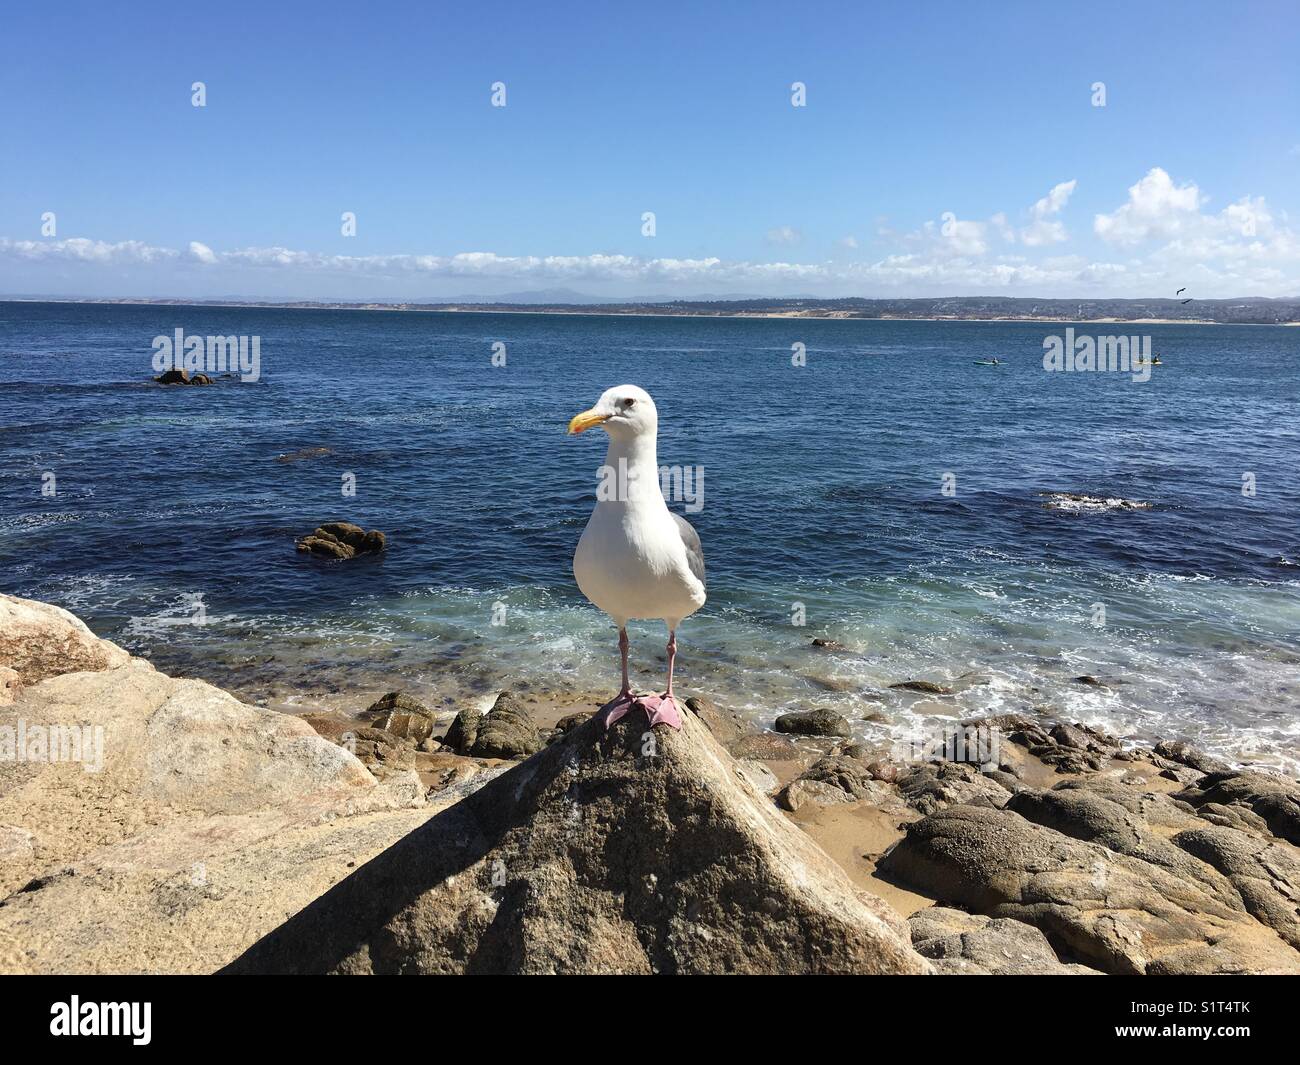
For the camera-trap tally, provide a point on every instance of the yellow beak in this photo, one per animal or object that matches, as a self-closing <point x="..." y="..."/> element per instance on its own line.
<point x="584" y="421"/>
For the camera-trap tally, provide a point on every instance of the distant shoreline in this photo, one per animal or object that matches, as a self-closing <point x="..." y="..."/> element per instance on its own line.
<point x="683" y="309"/>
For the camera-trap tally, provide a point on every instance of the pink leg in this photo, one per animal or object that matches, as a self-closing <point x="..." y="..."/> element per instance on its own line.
<point x="663" y="709"/>
<point x="623" y="701"/>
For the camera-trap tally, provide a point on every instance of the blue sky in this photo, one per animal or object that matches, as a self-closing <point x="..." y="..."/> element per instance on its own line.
<point x="945" y="149"/>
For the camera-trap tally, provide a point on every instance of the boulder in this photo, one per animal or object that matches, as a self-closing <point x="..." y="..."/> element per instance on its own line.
<point x="403" y="716"/>
<point x="507" y="731"/>
<point x="341" y="540"/>
<point x="1272" y="799"/>
<point x="181" y="825"/>
<point x="1265" y="873"/>
<point x="968" y="944"/>
<point x="38" y="640"/>
<point x="724" y="726"/>
<point x="833" y="780"/>
<point x="619" y="851"/>
<point x="766" y="747"/>
<point x="1186" y="754"/>
<point x="463" y="730"/>
<point x="931" y="787"/>
<point x="1117" y="913"/>
<point x="173" y="377"/>
<point x="813" y="723"/>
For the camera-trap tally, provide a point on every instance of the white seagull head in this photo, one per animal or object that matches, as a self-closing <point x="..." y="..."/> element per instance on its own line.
<point x="625" y="412"/>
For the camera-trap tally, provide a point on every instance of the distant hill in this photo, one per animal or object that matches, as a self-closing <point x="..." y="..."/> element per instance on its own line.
<point x="1250" y="310"/>
<point x="1244" y="311"/>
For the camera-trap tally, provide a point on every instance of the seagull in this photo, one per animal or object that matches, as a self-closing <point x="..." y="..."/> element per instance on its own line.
<point x="636" y="558"/>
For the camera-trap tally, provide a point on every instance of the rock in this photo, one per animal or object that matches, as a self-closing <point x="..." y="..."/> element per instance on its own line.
<point x="173" y="377"/>
<point x="39" y="641"/>
<point x="970" y="944"/>
<point x="596" y="857"/>
<point x="1089" y="680"/>
<point x="463" y="731"/>
<point x="724" y="726"/>
<point x="304" y="453"/>
<point x="828" y="645"/>
<point x="403" y="716"/>
<point x="1070" y="736"/>
<point x="201" y="379"/>
<point x="1275" y="800"/>
<point x="1186" y="754"/>
<point x="765" y="747"/>
<point x="882" y="769"/>
<point x="928" y="788"/>
<point x="10" y="685"/>
<point x="198" y="825"/>
<point x="762" y="778"/>
<point x="833" y="780"/>
<point x="379" y="750"/>
<point x="1265" y="873"/>
<point x="571" y="721"/>
<point x="507" y="731"/>
<point x="342" y="540"/>
<point x="927" y="687"/>
<point x="1124" y="821"/>
<point x="813" y="723"/>
<point x="1115" y="912"/>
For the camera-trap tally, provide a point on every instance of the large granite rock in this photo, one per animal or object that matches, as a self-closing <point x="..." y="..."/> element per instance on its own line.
<point x="176" y="824"/>
<point x="1113" y="911"/>
<point x="624" y="851"/>
<point x="38" y="640"/>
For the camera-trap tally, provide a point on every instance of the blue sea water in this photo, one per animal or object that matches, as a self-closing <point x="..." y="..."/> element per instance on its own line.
<point x="822" y="496"/>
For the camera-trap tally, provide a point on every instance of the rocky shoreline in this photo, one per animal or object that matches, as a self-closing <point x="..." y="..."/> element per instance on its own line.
<point x="522" y="837"/>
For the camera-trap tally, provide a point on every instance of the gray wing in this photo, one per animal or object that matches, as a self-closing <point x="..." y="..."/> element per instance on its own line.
<point x="691" y="539"/>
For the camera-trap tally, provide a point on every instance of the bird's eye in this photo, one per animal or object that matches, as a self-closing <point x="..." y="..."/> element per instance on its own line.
<point x="628" y="402"/>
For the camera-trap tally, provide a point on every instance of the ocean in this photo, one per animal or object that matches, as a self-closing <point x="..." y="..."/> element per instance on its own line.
<point x="888" y="495"/>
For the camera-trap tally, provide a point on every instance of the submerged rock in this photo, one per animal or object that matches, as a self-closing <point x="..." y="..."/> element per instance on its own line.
<point x="926" y="687"/>
<point x="624" y="851"/>
<point x="341" y="540"/>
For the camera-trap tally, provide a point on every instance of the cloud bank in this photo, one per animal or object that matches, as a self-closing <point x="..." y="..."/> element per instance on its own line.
<point x="1160" y="238"/>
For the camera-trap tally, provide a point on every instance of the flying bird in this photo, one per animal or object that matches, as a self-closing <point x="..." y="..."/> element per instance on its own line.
<point x="1181" y="291"/>
<point x="636" y="558"/>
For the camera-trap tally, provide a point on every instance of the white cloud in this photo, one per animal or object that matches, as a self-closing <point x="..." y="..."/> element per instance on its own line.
<point x="1245" y="249"/>
<point x="202" y="253"/>
<point x="79" y="249"/>
<point x="1156" y="208"/>
<point x="1043" y="227"/>
<point x="850" y="242"/>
